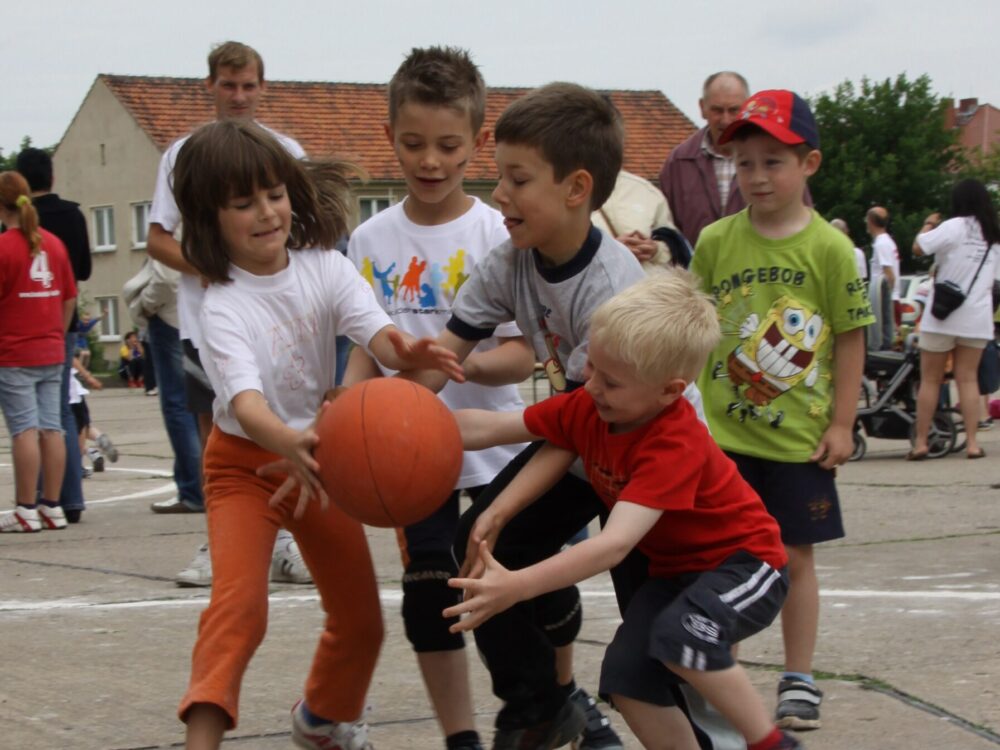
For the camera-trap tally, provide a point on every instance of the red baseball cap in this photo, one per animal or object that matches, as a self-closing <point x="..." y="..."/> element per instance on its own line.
<point x="780" y="113"/>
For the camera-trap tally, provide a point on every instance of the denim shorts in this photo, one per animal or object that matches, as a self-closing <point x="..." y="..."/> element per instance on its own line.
<point x="30" y="398"/>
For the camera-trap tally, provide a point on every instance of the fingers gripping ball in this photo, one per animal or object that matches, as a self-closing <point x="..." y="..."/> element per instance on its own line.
<point x="389" y="452"/>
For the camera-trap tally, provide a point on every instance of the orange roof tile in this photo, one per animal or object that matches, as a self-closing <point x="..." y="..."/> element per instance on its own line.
<point x="345" y="119"/>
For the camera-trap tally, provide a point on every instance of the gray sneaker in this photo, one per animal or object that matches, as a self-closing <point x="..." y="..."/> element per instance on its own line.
<point x="798" y="705"/>
<point x="560" y="730"/>
<point x="287" y="565"/>
<point x="173" y="505"/>
<point x="107" y="448"/>
<point x="199" y="570"/>
<point x="598" y="734"/>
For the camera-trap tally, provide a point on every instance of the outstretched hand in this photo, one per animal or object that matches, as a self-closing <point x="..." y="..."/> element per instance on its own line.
<point x="301" y="467"/>
<point x="495" y="591"/>
<point x="426" y="354"/>
<point x="484" y="531"/>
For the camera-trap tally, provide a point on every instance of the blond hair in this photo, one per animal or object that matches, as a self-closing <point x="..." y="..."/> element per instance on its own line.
<point x="663" y="327"/>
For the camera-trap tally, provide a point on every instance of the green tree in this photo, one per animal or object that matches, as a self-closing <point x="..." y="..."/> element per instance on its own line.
<point x="10" y="162"/>
<point x="884" y="143"/>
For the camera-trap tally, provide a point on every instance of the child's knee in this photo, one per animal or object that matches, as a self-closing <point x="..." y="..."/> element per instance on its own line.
<point x="425" y="595"/>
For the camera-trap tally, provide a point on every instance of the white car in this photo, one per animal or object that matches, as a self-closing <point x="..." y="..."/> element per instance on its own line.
<point x="913" y="291"/>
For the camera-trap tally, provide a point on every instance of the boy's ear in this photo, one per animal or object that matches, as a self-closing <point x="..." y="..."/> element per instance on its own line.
<point x="673" y="389"/>
<point x="812" y="161"/>
<point x="482" y="138"/>
<point x="580" y="186"/>
<point x="387" y="126"/>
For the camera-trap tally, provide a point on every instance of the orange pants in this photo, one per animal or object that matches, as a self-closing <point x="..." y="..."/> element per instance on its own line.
<point x="241" y="533"/>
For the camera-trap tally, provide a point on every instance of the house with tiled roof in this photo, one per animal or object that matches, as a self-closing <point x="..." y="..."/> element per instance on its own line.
<point x="978" y="125"/>
<point x="107" y="159"/>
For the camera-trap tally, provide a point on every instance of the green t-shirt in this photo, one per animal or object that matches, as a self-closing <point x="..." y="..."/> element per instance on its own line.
<point x="768" y="385"/>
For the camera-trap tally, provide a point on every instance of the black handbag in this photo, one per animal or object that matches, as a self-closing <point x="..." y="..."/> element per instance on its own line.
<point x="948" y="296"/>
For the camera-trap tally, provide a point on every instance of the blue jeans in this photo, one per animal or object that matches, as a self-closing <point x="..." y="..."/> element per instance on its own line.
<point x="71" y="495"/>
<point x="182" y="427"/>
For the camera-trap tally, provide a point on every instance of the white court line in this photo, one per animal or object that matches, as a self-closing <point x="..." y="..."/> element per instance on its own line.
<point x="390" y="596"/>
<point x="161" y="490"/>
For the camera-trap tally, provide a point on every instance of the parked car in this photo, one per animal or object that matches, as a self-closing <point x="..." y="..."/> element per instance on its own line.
<point x="913" y="291"/>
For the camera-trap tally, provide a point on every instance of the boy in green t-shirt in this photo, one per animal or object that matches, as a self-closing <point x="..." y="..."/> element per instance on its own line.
<point x="781" y="388"/>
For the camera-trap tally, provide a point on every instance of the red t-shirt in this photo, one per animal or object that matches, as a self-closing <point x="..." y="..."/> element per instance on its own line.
<point x="32" y="293"/>
<point x="670" y="463"/>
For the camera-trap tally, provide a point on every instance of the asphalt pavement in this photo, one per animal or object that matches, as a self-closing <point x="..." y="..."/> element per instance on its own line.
<point x="97" y="638"/>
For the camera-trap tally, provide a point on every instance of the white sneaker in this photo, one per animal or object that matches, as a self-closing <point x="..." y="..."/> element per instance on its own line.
<point x="21" y="519"/>
<point x="287" y="565"/>
<point x="198" y="572"/>
<point x="333" y="736"/>
<point x="51" y="518"/>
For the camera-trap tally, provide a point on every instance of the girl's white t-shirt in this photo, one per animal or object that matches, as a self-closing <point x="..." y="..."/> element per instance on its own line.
<point x="276" y="334"/>
<point x="958" y="247"/>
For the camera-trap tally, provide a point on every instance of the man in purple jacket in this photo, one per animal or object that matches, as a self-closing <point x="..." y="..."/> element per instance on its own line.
<point x="699" y="177"/>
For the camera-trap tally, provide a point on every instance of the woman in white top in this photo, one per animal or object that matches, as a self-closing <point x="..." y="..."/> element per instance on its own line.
<point x="966" y="248"/>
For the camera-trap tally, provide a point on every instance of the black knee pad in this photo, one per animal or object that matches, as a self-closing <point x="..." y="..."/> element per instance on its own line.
<point x="560" y="615"/>
<point x="425" y="595"/>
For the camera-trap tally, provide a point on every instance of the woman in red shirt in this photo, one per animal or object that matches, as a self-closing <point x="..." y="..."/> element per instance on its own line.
<point x="37" y="298"/>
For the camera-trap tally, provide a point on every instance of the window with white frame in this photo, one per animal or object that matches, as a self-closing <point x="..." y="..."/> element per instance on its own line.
<point x="140" y="223"/>
<point x="103" y="222"/>
<point x="371" y="206"/>
<point x="108" y="327"/>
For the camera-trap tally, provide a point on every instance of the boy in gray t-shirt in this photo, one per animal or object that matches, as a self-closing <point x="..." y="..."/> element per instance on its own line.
<point x="559" y="151"/>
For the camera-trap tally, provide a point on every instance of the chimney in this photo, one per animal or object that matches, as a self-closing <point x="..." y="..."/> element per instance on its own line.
<point x="968" y="106"/>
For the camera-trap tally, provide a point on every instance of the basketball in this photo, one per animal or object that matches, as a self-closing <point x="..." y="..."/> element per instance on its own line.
<point x="389" y="452"/>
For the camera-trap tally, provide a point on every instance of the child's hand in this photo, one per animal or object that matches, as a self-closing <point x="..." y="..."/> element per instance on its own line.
<point x="93" y="382"/>
<point x="301" y="467"/>
<point x="484" y="531"/>
<point x="426" y="354"/>
<point x="484" y="597"/>
<point x="835" y="447"/>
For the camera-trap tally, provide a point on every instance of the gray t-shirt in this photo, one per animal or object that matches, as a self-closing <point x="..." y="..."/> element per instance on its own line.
<point x="551" y="306"/>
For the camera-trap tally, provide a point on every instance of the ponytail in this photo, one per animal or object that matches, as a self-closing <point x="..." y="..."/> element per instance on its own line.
<point x="14" y="197"/>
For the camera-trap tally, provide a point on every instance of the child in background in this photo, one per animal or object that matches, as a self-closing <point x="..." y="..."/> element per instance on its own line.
<point x="434" y="238"/>
<point x="716" y="563"/>
<point x="86" y="430"/>
<point x="270" y="319"/>
<point x="130" y="358"/>
<point x="781" y="389"/>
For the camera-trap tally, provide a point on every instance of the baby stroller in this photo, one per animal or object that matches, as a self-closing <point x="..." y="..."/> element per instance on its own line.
<point x="888" y="407"/>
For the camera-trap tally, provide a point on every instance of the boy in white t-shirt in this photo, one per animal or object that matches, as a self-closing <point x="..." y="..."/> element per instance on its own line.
<point x="416" y="255"/>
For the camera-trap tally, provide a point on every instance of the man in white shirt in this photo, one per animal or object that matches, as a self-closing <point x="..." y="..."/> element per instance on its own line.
<point x="236" y="82"/>
<point x="884" y="265"/>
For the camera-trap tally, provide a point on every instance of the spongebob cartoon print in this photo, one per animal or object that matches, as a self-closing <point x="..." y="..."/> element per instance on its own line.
<point x="774" y="355"/>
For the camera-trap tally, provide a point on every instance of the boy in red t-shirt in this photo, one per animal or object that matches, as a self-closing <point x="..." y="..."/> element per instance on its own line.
<point x="716" y="561"/>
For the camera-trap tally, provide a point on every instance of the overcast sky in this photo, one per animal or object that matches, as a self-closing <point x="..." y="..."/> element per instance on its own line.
<point x="53" y="49"/>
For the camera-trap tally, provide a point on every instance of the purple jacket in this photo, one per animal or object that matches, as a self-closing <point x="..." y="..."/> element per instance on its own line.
<point x="688" y="181"/>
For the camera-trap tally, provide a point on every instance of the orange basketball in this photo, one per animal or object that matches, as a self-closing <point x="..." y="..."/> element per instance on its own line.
<point x="389" y="452"/>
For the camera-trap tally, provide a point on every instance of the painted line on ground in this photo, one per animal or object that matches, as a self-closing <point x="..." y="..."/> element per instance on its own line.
<point x="391" y="596"/>
<point x="149" y="474"/>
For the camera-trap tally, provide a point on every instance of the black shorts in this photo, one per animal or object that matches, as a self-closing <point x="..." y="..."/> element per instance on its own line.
<point x="196" y="384"/>
<point x="802" y="497"/>
<point x="691" y="620"/>
<point x="81" y="414"/>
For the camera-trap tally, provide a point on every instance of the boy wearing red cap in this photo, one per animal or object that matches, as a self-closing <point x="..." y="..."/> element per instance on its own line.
<point x="781" y="388"/>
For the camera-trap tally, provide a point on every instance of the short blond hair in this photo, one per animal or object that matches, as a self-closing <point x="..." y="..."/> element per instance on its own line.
<point x="664" y="327"/>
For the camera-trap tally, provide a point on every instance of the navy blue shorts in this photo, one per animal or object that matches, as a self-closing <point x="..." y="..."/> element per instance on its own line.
<point x="691" y="620"/>
<point x="802" y="497"/>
